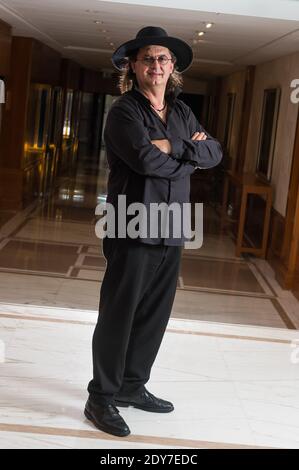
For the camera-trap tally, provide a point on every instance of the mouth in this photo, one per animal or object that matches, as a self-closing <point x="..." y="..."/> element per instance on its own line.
<point x="153" y="74"/>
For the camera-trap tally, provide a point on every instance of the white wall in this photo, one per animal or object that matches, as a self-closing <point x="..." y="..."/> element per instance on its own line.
<point x="276" y="73"/>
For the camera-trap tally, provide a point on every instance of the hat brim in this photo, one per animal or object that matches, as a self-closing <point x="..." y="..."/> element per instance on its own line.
<point x="182" y="51"/>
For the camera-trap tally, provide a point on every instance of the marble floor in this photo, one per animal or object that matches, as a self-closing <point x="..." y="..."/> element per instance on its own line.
<point x="228" y="360"/>
<point x="232" y="386"/>
<point x="50" y="255"/>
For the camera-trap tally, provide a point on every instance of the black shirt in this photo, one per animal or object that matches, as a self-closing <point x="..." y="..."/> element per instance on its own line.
<point x="138" y="169"/>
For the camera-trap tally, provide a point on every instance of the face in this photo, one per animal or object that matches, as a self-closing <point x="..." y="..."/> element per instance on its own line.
<point x="155" y="74"/>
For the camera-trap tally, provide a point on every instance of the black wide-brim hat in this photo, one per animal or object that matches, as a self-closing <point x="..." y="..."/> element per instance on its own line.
<point x="154" y="36"/>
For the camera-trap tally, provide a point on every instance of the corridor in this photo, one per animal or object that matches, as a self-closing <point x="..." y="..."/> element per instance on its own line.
<point x="229" y="360"/>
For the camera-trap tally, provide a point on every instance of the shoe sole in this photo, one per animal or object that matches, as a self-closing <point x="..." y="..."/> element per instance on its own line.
<point x="125" y="404"/>
<point x="103" y="428"/>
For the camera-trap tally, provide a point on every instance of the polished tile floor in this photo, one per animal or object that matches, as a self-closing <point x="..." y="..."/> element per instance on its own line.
<point x="225" y="361"/>
<point x="232" y="386"/>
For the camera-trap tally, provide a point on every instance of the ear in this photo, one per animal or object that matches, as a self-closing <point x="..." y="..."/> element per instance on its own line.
<point x="132" y="65"/>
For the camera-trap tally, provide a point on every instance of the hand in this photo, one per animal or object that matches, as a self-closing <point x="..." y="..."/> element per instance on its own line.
<point x="199" y="136"/>
<point x="162" y="144"/>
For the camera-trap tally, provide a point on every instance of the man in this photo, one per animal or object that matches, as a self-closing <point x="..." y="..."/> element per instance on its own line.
<point x="154" y="143"/>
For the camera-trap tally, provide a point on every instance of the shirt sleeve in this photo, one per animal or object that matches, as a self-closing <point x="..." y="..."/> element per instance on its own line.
<point x="202" y="153"/>
<point x="128" y="139"/>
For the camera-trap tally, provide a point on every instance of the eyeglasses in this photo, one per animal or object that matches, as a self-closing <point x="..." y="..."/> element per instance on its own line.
<point x="150" y="60"/>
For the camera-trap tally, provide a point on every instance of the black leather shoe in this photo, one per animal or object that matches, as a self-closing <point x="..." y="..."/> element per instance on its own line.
<point x="144" y="401"/>
<point x="106" y="418"/>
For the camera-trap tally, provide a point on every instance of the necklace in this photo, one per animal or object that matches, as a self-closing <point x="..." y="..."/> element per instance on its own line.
<point x="159" y="110"/>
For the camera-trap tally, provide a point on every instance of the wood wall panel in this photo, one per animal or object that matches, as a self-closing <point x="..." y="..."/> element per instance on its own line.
<point x="94" y="82"/>
<point x="46" y="64"/>
<point x="20" y="68"/>
<point x="276" y="234"/>
<point x="295" y="288"/>
<point x="70" y="74"/>
<point x="287" y="265"/>
<point x="11" y="183"/>
<point x="5" y="54"/>
<point x="31" y="62"/>
<point x="245" y="117"/>
<point x="5" y="48"/>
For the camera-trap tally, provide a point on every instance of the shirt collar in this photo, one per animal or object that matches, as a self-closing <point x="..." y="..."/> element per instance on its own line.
<point x="142" y="98"/>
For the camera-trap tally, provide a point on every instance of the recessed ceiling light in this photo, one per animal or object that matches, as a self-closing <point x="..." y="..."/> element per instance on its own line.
<point x="209" y="25"/>
<point x="201" y="33"/>
<point x="98" y="22"/>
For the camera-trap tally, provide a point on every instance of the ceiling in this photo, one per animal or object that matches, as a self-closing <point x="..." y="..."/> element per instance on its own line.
<point x="233" y="42"/>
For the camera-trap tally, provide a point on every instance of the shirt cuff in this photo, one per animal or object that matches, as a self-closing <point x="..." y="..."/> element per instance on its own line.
<point x="177" y="147"/>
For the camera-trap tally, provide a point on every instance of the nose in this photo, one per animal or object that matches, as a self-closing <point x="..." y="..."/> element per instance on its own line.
<point x="155" y="63"/>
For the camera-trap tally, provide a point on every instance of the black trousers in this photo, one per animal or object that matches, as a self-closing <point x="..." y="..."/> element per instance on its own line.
<point x="136" y="298"/>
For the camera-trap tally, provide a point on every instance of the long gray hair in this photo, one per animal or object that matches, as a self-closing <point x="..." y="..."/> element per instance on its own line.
<point x="127" y="78"/>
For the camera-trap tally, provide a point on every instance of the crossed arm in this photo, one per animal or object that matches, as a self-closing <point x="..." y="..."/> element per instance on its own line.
<point x="127" y="138"/>
<point x="165" y="146"/>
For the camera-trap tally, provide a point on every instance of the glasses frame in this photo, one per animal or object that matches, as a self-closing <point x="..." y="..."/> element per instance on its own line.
<point x="150" y="60"/>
